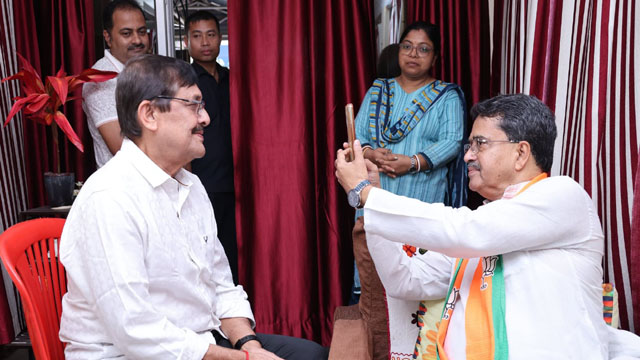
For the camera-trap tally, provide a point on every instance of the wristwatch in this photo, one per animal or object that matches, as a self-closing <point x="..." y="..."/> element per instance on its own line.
<point x="414" y="166"/>
<point x="354" y="194"/>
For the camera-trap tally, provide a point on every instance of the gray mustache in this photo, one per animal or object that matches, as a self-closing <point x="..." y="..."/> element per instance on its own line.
<point x="197" y="129"/>
<point x="473" y="164"/>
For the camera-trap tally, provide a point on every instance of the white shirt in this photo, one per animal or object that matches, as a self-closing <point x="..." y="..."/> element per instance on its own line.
<point x="552" y="245"/>
<point x="99" y="103"/>
<point x="147" y="276"/>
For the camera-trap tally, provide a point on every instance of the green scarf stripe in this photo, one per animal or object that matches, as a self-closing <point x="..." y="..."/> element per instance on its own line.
<point x="498" y="303"/>
<point x="444" y="308"/>
<point x="501" y="342"/>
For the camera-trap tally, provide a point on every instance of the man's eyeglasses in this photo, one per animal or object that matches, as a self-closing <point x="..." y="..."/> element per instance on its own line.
<point x="199" y="105"/>
<point x="422" y="50"/>
<point x="479" y="144"/>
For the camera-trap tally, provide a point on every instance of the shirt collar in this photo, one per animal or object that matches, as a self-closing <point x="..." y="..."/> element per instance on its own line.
<point x="509" y="192"/>
<point x="118" y="65"/>
<point x="512" y="190"/>
<point x="200" y="70"/>
<point x="150" y="170"/>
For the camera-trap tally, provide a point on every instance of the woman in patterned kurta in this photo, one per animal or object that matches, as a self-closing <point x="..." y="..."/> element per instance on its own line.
<point x="436" y="136"/>
<point x="412" y="128"/>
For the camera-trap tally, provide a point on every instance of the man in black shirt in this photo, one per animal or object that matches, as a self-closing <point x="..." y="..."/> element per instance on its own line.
<point x="215" y="169"/>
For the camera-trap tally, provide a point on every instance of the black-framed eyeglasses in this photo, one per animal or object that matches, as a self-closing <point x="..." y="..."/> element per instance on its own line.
<point x="199" y="104"/>
<point x="478" y="144"/>
<point x="422" y="50"/>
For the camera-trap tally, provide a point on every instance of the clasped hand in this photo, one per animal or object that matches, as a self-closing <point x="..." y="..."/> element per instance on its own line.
<point x="393" y="165"/>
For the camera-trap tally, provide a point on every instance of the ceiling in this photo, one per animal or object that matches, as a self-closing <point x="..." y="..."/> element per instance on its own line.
<point x="182" y="8"/>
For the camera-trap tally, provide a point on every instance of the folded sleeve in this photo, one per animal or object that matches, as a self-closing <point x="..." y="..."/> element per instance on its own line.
<point x="232" y="300"/>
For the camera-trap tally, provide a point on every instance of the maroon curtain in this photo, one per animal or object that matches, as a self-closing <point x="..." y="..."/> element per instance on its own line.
<point x="51" y="34"/>
<point x="294" y="66"/>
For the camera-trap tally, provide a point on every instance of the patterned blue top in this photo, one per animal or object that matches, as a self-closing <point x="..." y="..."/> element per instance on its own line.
<point x="438" y="135"/>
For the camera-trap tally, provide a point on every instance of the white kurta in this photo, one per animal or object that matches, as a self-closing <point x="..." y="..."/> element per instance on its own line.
<point x="148" y="278"/>
<point x="552" y="246"/>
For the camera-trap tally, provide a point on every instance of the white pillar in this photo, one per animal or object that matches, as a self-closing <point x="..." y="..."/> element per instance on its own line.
<point x="164" y="27"/>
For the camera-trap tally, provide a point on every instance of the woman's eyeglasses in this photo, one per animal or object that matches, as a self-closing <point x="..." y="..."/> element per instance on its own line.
<point x="422" y="50"/>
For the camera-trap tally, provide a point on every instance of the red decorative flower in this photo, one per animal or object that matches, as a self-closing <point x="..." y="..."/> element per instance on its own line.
<point x="43" y="101"/>
<point x="410" y="250"/>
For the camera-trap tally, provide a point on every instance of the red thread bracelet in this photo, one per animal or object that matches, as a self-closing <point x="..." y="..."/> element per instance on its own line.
<point x="246" y="353"/>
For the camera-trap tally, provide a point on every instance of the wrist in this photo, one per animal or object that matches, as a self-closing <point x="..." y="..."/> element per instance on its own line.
<point x="364" y="194"/>
<point x="246" y="339"/>
<point x="354" y="195"/>
<point x="364" y="151"/>
<point x="424" y="161"/>
<point x="414" y="165"/>
<point x="251" y="344"/>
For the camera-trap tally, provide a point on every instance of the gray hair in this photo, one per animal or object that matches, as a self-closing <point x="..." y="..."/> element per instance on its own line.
<point x="523" y="118"/>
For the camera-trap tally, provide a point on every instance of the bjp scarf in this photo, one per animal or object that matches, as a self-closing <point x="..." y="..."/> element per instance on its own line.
<point x="485" y="329"/>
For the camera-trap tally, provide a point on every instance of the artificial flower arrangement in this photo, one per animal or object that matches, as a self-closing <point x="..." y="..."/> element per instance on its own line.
<point x="42" y="101"/>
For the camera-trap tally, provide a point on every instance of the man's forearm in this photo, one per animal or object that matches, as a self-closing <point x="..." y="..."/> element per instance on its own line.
<point x="111" y="135"/>
<point x="237" y="328"/>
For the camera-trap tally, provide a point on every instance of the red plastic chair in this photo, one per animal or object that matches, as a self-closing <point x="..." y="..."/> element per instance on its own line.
<point x="29" y="251"/>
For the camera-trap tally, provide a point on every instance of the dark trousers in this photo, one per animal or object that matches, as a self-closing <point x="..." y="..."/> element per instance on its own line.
<point x="224" y="208"/>
<point x="287" y="347"/>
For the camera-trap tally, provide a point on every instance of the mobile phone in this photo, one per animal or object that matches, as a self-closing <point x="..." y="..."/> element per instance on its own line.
<point x="351" y="129"/>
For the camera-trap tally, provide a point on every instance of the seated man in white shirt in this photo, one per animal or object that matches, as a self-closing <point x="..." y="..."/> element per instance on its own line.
<point x="147" y="275"/>
<point x="522" y="273"/>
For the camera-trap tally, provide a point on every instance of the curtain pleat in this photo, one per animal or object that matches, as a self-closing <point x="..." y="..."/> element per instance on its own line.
<point x="294" y="66"/>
